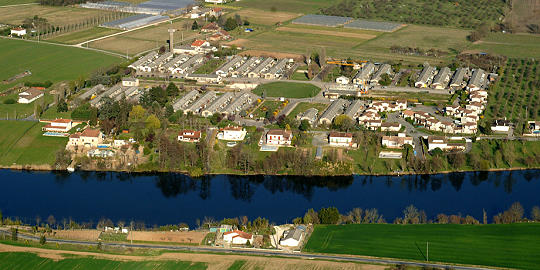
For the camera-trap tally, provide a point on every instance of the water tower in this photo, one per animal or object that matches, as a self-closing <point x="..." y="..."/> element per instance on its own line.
<point x="171" y="42"/>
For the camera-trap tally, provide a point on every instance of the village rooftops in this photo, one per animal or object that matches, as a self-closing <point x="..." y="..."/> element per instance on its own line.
<point x="198" y="43"/>
<point x="89" y="132"/>
<point x="285" y="133"/>
<point x="242" y="234"/>
<point x="233" y="128"/>
<point x="335" y="134"/>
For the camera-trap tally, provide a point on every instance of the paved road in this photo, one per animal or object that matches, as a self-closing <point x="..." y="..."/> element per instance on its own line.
<point x="245" y="251"/>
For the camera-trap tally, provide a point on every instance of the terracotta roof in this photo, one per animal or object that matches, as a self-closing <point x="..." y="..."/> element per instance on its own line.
<point x="233" y="128"/>
<point x="240" y="234"/>
<point x="190" y="134"/>
<point x="18" y="29"/>
<point x="340" y="134"/>
<point x="198" y="43"/>
<point x="217" y="9"/>
<point x="211" y="26"/>
<point x="90" y="133"/>
<point x="60" y="120"/>
<point x="75" y="135"/>
<point x="284" y="133"/>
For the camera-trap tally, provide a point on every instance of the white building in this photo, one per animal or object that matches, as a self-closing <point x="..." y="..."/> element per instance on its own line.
<point x="342" y="80"/>
<point x="18" y="31"/>
<point x="130" y="82"/>
<point x="444" y="144"/>
<point x="340" y="139"/>
<point x="293" y="238"/>
<point x="397" y="141"/>
<point x="232" y="134"/>
<point x="500" y="126"/>
<point x="279" y="137"/>
<point x="88" y="138"/>
<point x="386" y="126"/>
<point x="237" y="237"/>
<point x="30" y="95"/>
<point x="59" y="125"/>
<point x="189" y="136"/>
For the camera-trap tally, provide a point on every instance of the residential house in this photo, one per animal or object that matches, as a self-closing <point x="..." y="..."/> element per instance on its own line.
<point x="340" y="139"/>
<point x="216" y="12"/>
<point x="335" y="109"/>
<point x="397" y="141"/>
<point x="440" y="81"/>
<point x="210" y="28"/>
<point x="342" y="80"/>
<point x="394" y="127"/>
<point x="373" y="124"/>
<point x="18" y="31"/>
<point x="293" y="238"/>
<point x="425" y="77"/>
<point x="205" y="78"/>
<point x="444" y="144"/>
<point x="59" y="125"/>
<point x="232" y="133"/>
<point x="457" y="80"/>
<point x="89" y="138"/>
<point x="500" y="125"/>
<point x="130" y="82"/>
<point x="279" y="137"/>
<point x="30" y="95"/>
<point x="477" y="80"/>
<point x="237" y="237"/>
<point x="189" y="136"/>
<point x="362" y="77"/>
<point x="384" y="69"/>
<point x="309" y="115"/>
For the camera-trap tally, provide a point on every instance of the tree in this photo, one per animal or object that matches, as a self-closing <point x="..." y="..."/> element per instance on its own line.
<point x="137" y="113"/>
<point x="230" y="24"/>
<point x="304" y="125"/>
<point x="356" y="215"/>
<point x="195" y="25"/>
<point x="343" y="122"/>
<point x="1" y="218"/>
<point x="516" y="211"/>
<point x="172" y="90"/>
<point x="14" y="234"/>
<point x="62" y="106"/>
<point x="311" y="217"/>
<point x="51" y="220"/>
<point x="535" y="214"/>
<point x="238" y="20"/>
<point x="152" y="122"/>
<point x="42" y="240"/>
<point x="329" y="215"/>
<point x="411" y="215"/>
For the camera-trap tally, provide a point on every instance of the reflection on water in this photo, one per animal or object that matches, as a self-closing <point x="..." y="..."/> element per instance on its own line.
<point x="171" y="198"/>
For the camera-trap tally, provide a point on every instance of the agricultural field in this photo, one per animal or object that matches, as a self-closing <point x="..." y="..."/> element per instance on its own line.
<point x="24" y="144"/>
<point x="84" y="235"/>
<point x="460" y="13"/>
<point x="15" y="260"/>
<point x="506" y="245"/>
<point x="177" y="237"/>
<point x="516" y="95"/>
<point x="48" y="62"/>
<point x="523" y="13"/>
<point x="295" y="6"/>
<point x="149" y="38"/>
<point x="511" y="45"/>
<point x="84" y="35"/>
<point x="304" y="106"/>
<point x="16" y="2"/>
<point x="262" y="17"/>
<point x="287" y="90"/>
<point x="57" y="16"/>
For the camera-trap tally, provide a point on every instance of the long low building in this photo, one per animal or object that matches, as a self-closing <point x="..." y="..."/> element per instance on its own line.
<point x="425" y="76"/>
<point x="335" y="109"/>
<point x="218" y="105"/>
<point x="201" y="103"/>
<point x="238" y="104"/>
<point x="256" y="72"/>
<point x="276" y="71"/>
<point x="229" y="66"/>
<point x="353" y="109"/>
<point x="246" y="67"/>
<point x="183" y="102"/>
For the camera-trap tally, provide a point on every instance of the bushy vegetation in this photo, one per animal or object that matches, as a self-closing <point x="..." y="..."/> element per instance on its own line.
<point x="460" y="13"/>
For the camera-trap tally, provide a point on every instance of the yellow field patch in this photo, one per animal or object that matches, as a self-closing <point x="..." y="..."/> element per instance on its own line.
<point x="57" y="16"/>
<point x="326" y="32"/>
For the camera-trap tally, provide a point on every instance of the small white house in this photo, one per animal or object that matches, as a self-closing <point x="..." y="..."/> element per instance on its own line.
<point x="340" y="139"/>
<point x="342" y="80"/>
<point x="59" y="125"/>
<point x="500" y="126"/>
<point x="30" y="95"/>
<point x="232" y="134"/>
<point x="130" y="82"/>
<point x="292" y="238"/>
<point x="397" y="141"/>
<point x="18" y="31"/>
<point x="237" y="237"/>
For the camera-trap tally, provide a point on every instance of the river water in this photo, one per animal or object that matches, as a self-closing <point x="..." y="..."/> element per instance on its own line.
<point x="174" y="198"/>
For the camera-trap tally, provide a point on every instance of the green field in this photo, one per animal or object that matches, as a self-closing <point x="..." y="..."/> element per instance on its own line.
<point x="304" y="106"/>
<point x="508" y="245"/>
<point x="287" y="90"/>
<point x="18" y="260"/>
<point x="84" y="35"/>
<point x="299" y="6"/>
<point x="48" y="62"/>
<point x="511" y="45"/>
<point x="24" y="144"/>
<point x="461" y="13"/>
<point x="15" y="2"/>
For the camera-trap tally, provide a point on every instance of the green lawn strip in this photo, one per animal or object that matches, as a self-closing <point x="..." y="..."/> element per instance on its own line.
<point x="300" y="6"/>
<point x="237" y="265"/>
<point x="506" y="245"/>
<point x="26" y="145"/>
<point x="287" y="90"/>
<point x="304" y="106"/>
<point x="84" y="35"/>
<point x="52" y="113"/>
<point x="19" y="260"/>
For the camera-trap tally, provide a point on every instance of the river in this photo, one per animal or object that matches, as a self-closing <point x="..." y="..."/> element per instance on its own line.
<point x="174" y="198"/>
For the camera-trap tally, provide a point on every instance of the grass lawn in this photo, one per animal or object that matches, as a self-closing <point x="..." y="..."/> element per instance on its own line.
<point x="304" y="106"/>
<point x="287" y="90"/>
<point x="511" y="45"/>
<point x="52" y="114"/>
<point x="237" y="265"/>
<point x="16" y="2"/>
<point x="298" y="6"/>
<point x="57" y="16"/>
<point x="507" y="245"/>
<point x="267" y="106"/>
<point x="19" y="260"/>
<point x="84" y="35"/>
<point x="24" y="144"/>
<point x="18" y="110"/>
<point x="48" y="62"/>
<point x="210" y="66"/>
